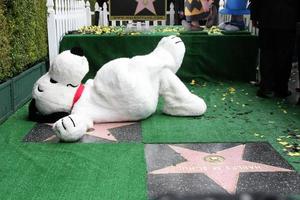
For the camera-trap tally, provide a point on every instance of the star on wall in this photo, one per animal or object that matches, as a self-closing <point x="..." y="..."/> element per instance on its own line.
<point x="142" y="4"/>
<point x="223" y="167"/>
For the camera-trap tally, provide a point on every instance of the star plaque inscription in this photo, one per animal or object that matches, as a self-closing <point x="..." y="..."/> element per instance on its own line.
<point x="229" y="168"/>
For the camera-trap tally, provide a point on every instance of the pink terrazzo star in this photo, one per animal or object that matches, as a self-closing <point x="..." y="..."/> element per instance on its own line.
<point x="142" y="4"/>
<point x="222" y="167"/>
<point x="102" y="130"/>
<point x="99" y="130"/>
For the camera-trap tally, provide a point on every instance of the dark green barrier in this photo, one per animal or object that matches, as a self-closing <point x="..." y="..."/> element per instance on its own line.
<point x="15" y="92"/>
<point x="6" y="103"/>
<point x="231" y="57"/>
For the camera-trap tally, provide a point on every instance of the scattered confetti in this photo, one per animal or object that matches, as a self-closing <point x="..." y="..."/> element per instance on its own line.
<point x="193" y="82"/>
<point x="294" y="154"/>
<point x="231" y="90"/>
<point x="283" y="143"/>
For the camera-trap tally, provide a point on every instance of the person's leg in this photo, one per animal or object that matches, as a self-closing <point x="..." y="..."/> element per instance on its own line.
<point x="266" y="41"/>
<point x="298" y="55"/>
<point x="285" y="41"/>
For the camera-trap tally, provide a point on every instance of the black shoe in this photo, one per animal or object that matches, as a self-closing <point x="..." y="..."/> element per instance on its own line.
<point x="283" y="94"/>
<point x="297" y="89"/>
<point x="264" y="93"/>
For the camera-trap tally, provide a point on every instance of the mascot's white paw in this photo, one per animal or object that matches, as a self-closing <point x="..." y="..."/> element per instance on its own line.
<point x="70" y="128"/>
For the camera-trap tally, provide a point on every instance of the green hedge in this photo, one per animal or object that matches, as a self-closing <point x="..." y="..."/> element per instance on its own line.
<point x="5" y="59"/>
<point x="23" y="35"/>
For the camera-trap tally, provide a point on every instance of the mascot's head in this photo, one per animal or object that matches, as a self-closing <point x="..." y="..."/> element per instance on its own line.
<point x="174" y="46"/>
<point x="53" y="93"/>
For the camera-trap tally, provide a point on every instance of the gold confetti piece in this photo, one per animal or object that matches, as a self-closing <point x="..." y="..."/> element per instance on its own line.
<point x="224" y="95"/>
<point x="288" y="146"/>
<point x="246" y="93"/>
<point x="284" y="149"/>
<point x="243" y="105"/>
<point x="223" y="98"/>
<point x="294" y="154"/>
<point x="262" y="136"/>
<point x="215" y="106"/>
<point x="279" y="139"/>
<point x="255" y="134"/>
<point x="271" y="122"/>
<point x="283" y="143"/>
<point x="193" y="82"/>
<point x="284" y="111"/>
<point x="237" y="103"/>
<point x="231" y="90"/>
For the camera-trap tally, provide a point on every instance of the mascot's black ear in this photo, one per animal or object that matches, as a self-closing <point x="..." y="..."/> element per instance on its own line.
<point x="35" y="115"/>
<point x="77" y="51"/>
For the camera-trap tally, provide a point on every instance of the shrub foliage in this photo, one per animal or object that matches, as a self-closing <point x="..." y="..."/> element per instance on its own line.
<point x="23" y="35"/>
<point x="5" y="50"/>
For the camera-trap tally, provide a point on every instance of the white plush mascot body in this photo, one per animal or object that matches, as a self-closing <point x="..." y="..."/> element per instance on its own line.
<point x="124" y="89"/>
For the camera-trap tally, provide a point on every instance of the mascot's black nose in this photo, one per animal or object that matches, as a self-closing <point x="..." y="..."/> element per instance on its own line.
<point x="39" y="89"/>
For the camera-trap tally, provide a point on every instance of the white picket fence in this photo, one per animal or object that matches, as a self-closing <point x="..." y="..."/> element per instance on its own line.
<point x="64" y="16"/>
<point x="104" y="17"/>
<point x="70" y="15"/>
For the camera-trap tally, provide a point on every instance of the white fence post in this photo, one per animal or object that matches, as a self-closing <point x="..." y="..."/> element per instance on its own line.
<point x="105" y="14"/>
<point x="172" y="14"/>
<point x="64" y="16"/>
<point x="88" y="13"/>
<point x="52" y="44"/>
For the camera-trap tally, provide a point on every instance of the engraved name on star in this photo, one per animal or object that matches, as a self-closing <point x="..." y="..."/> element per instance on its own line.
<point x="142" y="4"/>
<point x="223" y="167"/>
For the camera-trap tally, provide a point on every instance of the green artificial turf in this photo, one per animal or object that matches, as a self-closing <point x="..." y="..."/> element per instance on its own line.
<point x="67" y="171"/>
<point x="118" y="171"/>
<point x="234" y="114"/>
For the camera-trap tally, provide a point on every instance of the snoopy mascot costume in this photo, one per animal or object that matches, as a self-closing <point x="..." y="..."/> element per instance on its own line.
<point x="124" y="89"/>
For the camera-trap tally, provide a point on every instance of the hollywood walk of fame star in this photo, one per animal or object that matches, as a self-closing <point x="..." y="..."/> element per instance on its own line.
<point x="223" y="167"/>
<point x="142" y="4"/>
<point x="100" y="131"/>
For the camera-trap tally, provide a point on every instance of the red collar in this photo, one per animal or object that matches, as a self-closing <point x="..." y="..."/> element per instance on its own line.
<point x="78" y="94"/>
